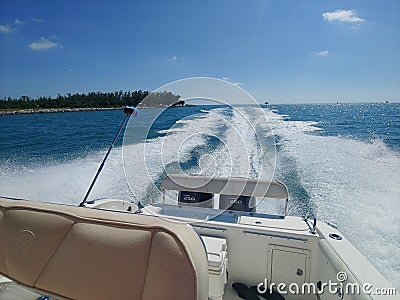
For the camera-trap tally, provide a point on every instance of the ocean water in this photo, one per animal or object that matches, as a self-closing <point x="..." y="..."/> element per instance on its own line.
<point x="342" y="161"/>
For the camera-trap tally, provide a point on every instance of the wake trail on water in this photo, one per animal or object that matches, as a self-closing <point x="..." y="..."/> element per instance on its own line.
<point x="146" y="163"/>
<point x="65" y="182"/>
<point x="353" y="184"/>
<point x="221" y="142"/>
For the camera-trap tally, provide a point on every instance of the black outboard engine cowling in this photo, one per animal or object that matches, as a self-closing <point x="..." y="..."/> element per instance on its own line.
<point x="196" y="199"/>
<point x="238" y="203"/>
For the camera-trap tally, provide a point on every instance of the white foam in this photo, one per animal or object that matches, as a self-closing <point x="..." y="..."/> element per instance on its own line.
<point x="66" y="182"/>
<point x="353" y="184"/>
<point x="241" y="152"/>
<point x="164" y="152"/>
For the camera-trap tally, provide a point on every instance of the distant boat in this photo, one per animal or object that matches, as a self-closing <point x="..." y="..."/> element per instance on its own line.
<point x="387" y="102"/>
<point x="266" y="103"/>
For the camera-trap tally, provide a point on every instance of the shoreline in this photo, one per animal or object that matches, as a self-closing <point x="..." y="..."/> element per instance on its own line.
<point x="62" y="110"/>
<point x="53" y="110"/>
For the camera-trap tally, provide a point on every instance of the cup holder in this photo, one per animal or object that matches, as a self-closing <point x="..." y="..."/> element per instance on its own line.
<point x="335" y="236"/>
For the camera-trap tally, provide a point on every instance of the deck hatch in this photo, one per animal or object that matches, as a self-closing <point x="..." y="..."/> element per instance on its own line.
<point x="288" y="265"/>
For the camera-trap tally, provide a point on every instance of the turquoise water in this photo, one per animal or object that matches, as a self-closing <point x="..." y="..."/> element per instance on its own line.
<point x="341" y="161"/>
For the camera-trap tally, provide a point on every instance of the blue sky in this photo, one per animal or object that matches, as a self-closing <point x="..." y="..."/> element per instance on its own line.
<point x="281" y="51"/>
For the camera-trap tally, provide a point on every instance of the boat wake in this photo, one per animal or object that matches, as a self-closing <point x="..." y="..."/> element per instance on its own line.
<point x="350" y="183"/>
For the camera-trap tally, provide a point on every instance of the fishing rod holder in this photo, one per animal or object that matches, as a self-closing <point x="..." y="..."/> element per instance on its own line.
<point x="312" y="226"/>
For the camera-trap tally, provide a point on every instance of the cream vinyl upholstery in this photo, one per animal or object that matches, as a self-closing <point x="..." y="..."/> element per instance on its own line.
<point x="82" y="253"/>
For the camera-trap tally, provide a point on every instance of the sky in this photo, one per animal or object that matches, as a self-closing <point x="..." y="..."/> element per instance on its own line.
<point x="281" y="51"/>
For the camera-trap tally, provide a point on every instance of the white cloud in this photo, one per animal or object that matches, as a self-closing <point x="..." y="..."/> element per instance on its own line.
<point x="342" y="15"/>
<point x="43" y="44"/>
<point x="322" y="53"/>
<point x="18" y="22"/>
<point x="5" y="28"/>
<point x="173" y="58"/>
<point x="37" y="20"/>
<point x="237" y="83"/>
<point x="225" y="78"/>
<point x="176" y="58"/>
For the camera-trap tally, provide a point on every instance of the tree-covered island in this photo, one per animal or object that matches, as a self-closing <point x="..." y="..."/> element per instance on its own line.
<point x="92" y="100"/>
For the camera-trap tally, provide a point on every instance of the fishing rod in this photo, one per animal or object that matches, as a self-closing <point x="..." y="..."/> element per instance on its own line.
<point x="128" y="111"/>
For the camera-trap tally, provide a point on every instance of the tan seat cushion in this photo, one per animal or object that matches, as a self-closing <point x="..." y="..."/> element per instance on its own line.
<point x="83" y="253"/>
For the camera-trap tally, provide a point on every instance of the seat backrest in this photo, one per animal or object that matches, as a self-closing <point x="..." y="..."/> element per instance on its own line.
<point x="83" y="253"/>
